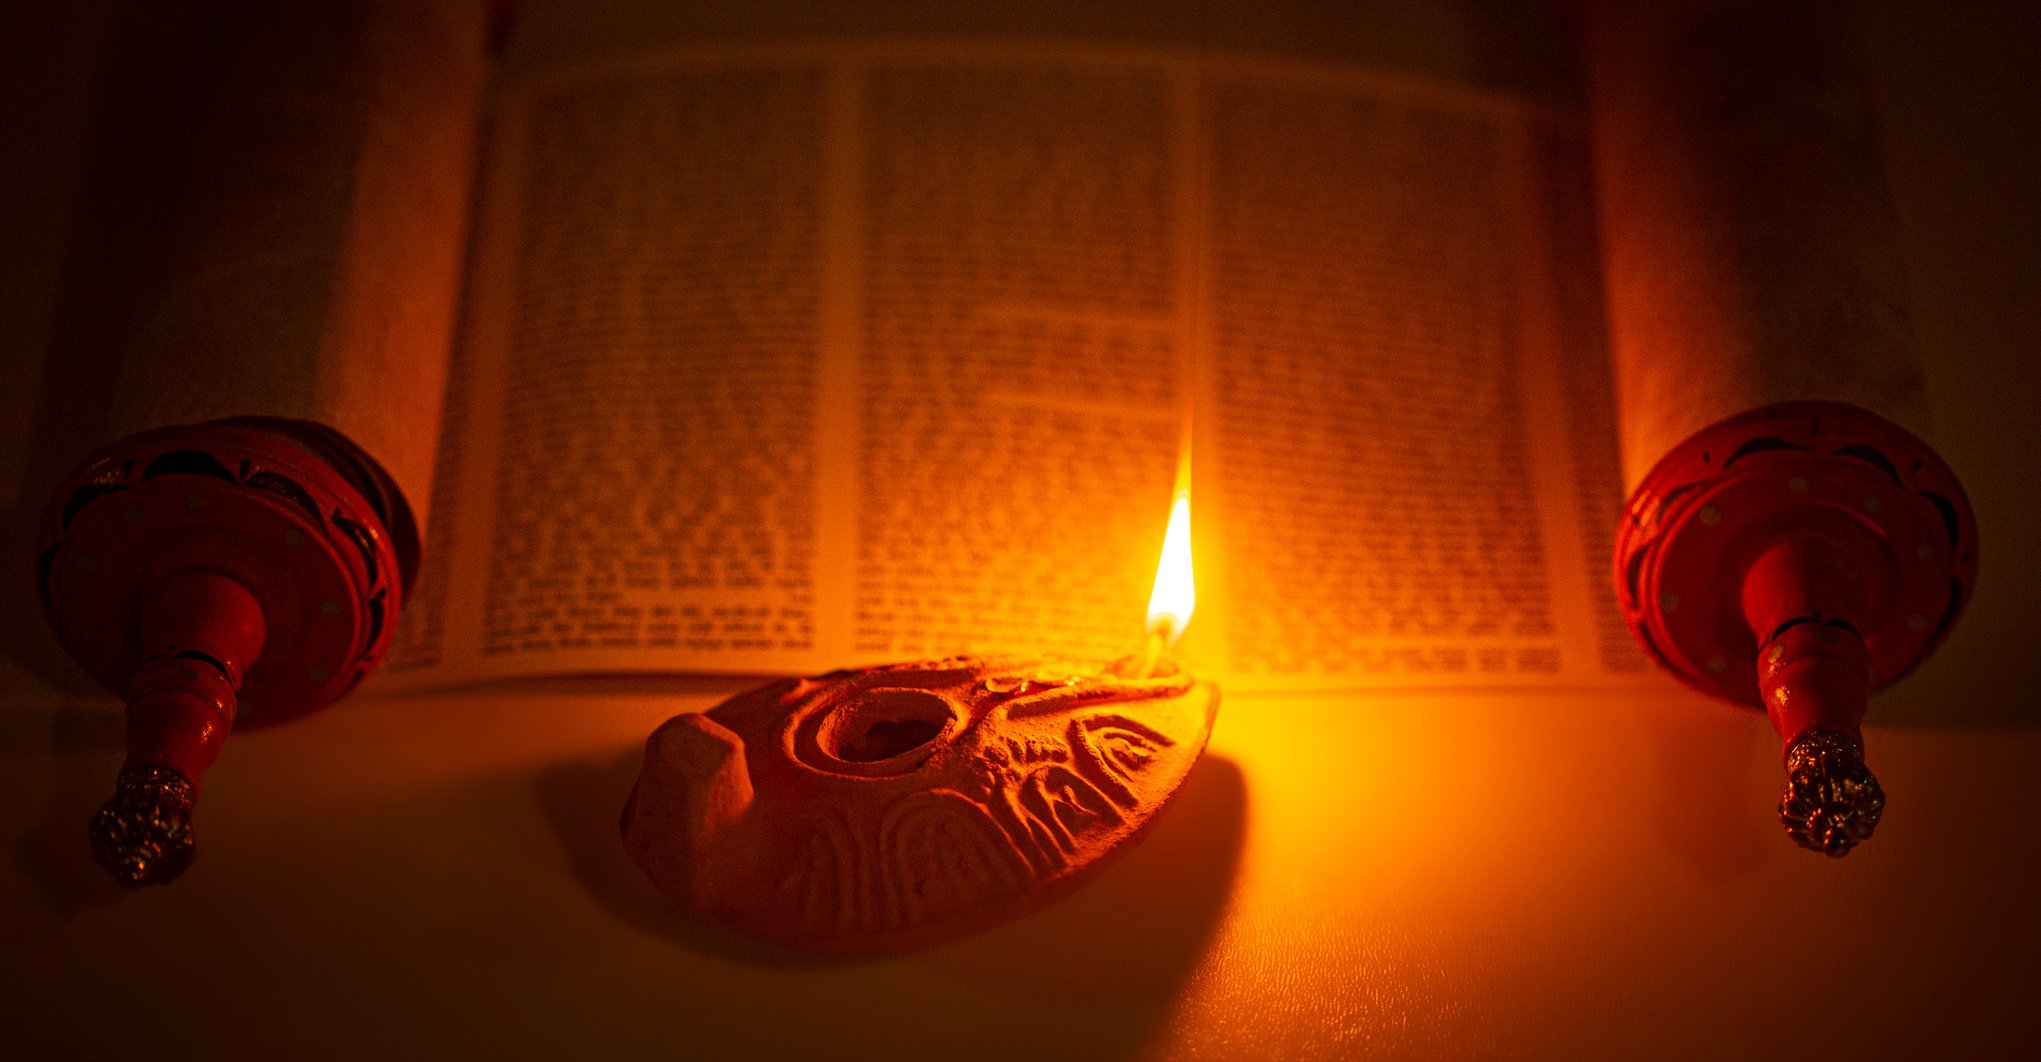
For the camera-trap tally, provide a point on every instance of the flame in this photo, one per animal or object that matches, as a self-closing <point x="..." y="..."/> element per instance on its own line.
<point x="1176" y="590"/>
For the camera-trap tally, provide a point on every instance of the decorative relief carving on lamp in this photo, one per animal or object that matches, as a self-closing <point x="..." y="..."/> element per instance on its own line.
<point x="890" y="808"/>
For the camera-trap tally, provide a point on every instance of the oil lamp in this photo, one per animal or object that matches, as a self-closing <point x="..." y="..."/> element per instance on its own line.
<point x="887" y="808"/>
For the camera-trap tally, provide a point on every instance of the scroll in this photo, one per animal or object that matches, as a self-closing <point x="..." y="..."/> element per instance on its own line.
<point x="1009" y="262"/>
<point x="1791" y="539"/>
<point x="276" y="326"/>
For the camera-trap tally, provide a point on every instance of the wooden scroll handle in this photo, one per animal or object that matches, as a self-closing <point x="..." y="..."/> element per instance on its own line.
<point x="1797" y="558"/>
<point x="1792" y="545"/>
<point x="250" y="567"/>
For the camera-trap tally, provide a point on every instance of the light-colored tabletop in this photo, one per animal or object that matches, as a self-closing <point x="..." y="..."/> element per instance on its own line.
<point x="1551" y="876"/>
<point x="1583" y="876"/>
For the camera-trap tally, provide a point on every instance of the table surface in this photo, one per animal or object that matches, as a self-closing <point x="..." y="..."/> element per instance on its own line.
<point x="1559" y="875"/>
<point x="1391" y="876"/>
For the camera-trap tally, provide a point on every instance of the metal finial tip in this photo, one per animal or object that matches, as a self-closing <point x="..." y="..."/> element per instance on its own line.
<point x="1832" y="801"/>
<point x="142" y="835"/>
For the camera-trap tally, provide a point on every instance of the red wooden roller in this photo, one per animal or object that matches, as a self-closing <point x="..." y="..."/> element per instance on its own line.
<point x="1799" y="557"/>
<point x="250" y="567"/>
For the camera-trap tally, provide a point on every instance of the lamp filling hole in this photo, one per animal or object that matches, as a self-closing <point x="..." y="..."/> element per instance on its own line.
<point x="885" y="723"/>
<point x="887" y="738"/>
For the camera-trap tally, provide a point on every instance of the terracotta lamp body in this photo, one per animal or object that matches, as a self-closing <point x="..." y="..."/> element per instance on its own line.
<point x="891" y="808"/>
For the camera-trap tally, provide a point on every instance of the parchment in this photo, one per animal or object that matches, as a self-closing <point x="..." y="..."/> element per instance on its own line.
<point x="1750" y="243"/>
<point x="290" y="241"/>
<point x="793" y="356"/>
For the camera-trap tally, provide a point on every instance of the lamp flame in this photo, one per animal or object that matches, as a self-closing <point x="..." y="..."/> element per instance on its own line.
<point x="1176" y="590"/>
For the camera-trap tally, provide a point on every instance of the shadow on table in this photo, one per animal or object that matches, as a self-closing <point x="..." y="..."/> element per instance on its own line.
<point x="584" y="801"/>
<point x="29" y="645"/>
<point x="1117" y="948"/>
<point x="1712" y="771"/>
<point x="85" y="736"/>
<point x="1110" y="959"/>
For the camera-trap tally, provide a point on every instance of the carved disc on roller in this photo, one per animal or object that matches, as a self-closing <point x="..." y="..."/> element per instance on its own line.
<point x="312" y="544"/>
<point x="891" y="808"/>
<point x="1797" y="558"/>
<point x="1712" y="507"/>
<point x="199" y="571"/>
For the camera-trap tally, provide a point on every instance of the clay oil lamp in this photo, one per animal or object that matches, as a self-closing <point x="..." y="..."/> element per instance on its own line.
<point x="888" y="808"/>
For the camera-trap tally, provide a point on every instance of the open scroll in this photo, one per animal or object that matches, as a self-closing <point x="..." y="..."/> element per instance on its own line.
<point x="276" y="223"/>
<point x="790" y="357"/>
